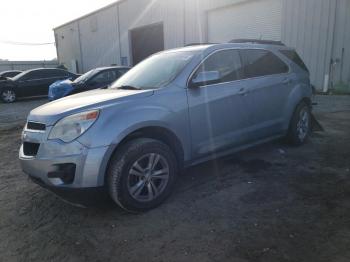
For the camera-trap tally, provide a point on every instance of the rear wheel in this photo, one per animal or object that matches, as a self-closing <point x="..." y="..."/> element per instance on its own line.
<point x="300" y="124"/>
<point x="142" y="174"/>
<point x="8" y="96"/>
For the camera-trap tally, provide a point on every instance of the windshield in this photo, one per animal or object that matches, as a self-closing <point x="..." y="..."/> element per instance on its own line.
<point x="19" y="76"/>
<point x="154" y="72"/>
<point x="85" y="76"/>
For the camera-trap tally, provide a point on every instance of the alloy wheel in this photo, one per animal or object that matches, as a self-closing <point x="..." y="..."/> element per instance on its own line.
<point x="8" y="96"/>
<point x="303" y="124"/>
<point x="148" y="177"/>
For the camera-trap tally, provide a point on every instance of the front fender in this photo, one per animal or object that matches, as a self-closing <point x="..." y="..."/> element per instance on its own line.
<point x="119" y="127"/>
<point x="116" y="121"/>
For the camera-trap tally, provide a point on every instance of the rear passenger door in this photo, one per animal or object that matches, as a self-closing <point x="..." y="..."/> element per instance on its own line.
<point x="267" y="85"/>
<point x="51" y="76"/>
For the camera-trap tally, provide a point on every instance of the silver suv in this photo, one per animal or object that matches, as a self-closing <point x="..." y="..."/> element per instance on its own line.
<point x="175" y="109"/>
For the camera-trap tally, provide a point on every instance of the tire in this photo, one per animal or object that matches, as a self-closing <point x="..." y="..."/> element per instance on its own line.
<point x="300" y="125"/>
<point x="8" y="96"/>
<point x="142" y="174"/>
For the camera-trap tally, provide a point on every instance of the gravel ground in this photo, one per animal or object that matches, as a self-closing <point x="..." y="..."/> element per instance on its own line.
<point x="12" y="115"/>
<point x="271" y="203"/>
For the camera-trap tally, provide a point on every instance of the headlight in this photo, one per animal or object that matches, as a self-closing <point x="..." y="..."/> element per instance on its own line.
<point x="71" y="127"/>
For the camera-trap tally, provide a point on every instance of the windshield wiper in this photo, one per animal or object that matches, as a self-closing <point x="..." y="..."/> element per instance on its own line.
<point x="126" y="87"/>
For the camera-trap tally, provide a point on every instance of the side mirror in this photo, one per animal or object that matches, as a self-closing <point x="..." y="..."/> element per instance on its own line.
<point x="205" y="78"/>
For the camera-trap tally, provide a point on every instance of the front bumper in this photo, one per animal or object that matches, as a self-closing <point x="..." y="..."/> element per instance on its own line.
<point x="51" y="155"/>
<point x="82" y="197"/>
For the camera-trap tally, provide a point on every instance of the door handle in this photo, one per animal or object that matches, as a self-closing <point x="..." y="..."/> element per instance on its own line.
<point x="286" y="81"/>
<point x="242" y="92"/>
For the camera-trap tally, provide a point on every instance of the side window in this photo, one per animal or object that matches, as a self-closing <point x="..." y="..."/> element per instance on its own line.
<point x="121" y="72"/>
<point x="100" y="78"/>
<point x="226" y="64"/>
<point x="259" y="62"/>
<point x="51" y="73"/>
<point x="293" y="56"/>
<point x="113" y="75"/>
<point x="38" y="74"/>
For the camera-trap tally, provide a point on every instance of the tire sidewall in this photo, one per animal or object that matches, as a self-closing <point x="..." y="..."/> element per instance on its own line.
<point x="293" y="132"/>
<point x="119" y="170"/>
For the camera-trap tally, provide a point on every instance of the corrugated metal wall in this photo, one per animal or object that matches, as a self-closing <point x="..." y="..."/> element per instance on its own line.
<point x="196" y="18"/>
<point x="308" y="26"/>
<point x="99" y="38"/>
<point x="318" y="29"/>
<point x="250" y="19"/>
<point x="68" y="45"/>
<point x="341" y="44"/>
<point x="138" y="13"/>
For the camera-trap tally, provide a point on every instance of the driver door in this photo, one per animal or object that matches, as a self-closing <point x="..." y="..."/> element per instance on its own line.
<point x="32" y="84"/>
<point x="217" y="108"/>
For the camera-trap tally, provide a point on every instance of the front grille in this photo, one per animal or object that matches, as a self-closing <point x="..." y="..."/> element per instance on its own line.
<point x="36" y="126"/>
<point x="30" y="149"/>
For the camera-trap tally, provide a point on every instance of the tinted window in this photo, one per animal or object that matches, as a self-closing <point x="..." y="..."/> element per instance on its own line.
<point x="121" y="72"/>
<point x="10" y="74"/>
<point x="56" y="73"/>
<point x="102" y="77"/>
<point x="227" y="63"/>
<point x="293" y="55"/>
<point x="261" y="62"/>
<point x="113" y="75"/>
<point x="38" y="74"/>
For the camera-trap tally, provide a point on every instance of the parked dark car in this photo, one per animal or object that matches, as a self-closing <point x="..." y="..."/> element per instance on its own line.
<point x="10" y="74"/>
<point x="94" y="79"/>
<point x="32" y="83"/>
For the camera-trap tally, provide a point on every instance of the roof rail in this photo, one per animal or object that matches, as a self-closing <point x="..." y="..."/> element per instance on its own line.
<point x="257" y="41"/>
<point x="194" y="44"/>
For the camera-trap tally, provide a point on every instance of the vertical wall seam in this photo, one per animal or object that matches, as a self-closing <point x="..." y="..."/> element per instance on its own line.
<point x="81" y="70"/>
<point x="118" y="27"/>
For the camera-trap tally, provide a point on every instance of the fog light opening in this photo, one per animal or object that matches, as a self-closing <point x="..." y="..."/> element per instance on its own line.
<point x="64" y="172"/>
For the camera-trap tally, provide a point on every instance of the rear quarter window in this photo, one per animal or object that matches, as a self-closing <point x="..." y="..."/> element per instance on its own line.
<point x="294" y="57"/>
<point x="52" y="73"/>
<point x="259" y="62"/>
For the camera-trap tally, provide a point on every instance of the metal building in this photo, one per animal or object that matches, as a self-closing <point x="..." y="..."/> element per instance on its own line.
<point x="127" y="31"/>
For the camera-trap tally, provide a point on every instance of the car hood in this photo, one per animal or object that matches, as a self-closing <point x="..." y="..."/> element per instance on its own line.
<point x="51" y="112"/>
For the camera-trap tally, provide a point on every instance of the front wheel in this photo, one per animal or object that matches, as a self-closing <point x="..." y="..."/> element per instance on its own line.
<point x="300" y="124"/>
<point x="142" y="174"/>
<point x="8" y="96"/>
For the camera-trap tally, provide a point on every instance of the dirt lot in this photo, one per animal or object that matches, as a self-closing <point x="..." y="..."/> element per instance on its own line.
<point x="271" y="203"/>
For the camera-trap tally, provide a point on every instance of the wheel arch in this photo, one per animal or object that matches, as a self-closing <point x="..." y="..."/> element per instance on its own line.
<point x="154" y="132"/>
<point x="306" y="100"/>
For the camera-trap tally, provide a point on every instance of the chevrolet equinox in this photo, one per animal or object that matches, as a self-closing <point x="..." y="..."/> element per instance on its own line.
<point x="173" y="110"/>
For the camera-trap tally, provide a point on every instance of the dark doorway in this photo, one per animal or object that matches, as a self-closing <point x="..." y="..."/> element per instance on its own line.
<point x="146" y="41"/>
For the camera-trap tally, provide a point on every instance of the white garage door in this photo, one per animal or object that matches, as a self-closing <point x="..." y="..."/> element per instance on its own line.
<point x="260" y="19"/>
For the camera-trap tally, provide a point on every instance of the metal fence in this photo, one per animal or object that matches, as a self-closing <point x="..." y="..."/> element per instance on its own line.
<point x="26" y="65"/>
